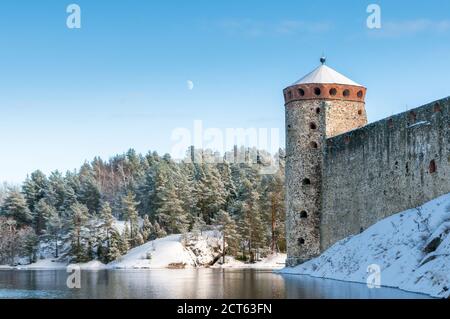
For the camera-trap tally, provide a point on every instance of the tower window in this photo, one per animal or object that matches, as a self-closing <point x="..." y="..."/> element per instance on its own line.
<point x="303" y="214"/>
<point x="314" y="145"/>
<point x="312" y="126"/>
<point x="289" y="95"/>
<point x="306" y="181"/>
<point x="436" y="108"/>
<point x="301" y="92"/>
<point x="333" y="91"/>
<point x="432" y="167"/>
<point x="301" y="241"/>
<point x="346" y="93"/>
<point x="390" y="123"/>
<point x="360" y="94"/>
<point x="318" y="110"/>
<point x="317" y="91"/>
<point x="359" y="112"/>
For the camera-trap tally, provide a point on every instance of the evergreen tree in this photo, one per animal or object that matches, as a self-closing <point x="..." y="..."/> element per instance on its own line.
<point x="170" y="212"/>
<point x="79" y="233"/>
<point x="230" y="234"/>
<point x="15" y="206"/>
<point x="56" y="190"/>
<point x="147" y="229"/>
<point x="131" y="214"/>
<point x="117" y="246"/>
<point x="125" y="245"/>
<point x="198" y="226"/>
<point x="28" y="243"/>
<point x="53" y="230"/>
<point x="159" y="231"/>
<point x="35" y="188"/>
<point x="42" y="213"/>
<point x="90" y="193"/>
<point x="106" y="227"/>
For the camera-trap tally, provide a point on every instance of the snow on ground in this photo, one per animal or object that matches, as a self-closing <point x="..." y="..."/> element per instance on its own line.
<point x="173" y="251"/>
<point x="412" y="248"/>
<point x="159" y="253"/>
<point x="44" y="264"/>
<point x="273" y="261"/>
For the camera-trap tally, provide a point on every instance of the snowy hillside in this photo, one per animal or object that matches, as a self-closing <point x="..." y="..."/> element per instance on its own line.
<point x="412" y="248"/>
<point x="170" y="251"/>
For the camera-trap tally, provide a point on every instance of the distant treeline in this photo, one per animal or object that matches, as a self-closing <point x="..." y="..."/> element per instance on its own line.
<point x="74" y="215"/>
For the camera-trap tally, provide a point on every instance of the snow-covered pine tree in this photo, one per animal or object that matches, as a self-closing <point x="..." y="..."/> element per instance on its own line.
<point x="131" y="214"/>
<point x="117" y="246"/>
<point x="105" y="228"/>
<point x="79" y="234"/>
<point x="229" y="185"/>
<point x="42" y="213"/>
<point x="53" y="231"/>
<point x="147" y="229"/>
<point x="35" y="188"/>
<point x="170" y="212"/>
<point x="125" y="244"/>
<point x="229" y="233"/>
<point x="90" y="193"/>
<point x="15" y="207"/>
<point x="56" y="190"/>
<point x="198" y="226"/>
<point x="159" y="231"/>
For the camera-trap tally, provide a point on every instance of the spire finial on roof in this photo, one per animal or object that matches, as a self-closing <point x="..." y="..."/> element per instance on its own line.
<point x="323" y="59"/>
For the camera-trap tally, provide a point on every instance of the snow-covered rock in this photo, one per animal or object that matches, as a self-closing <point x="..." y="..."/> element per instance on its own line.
<point x="412" y="249"/>
<point x="172" y="251"/>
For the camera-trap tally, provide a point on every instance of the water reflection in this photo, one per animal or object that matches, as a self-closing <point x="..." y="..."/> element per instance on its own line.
<point x="183" y="284"/>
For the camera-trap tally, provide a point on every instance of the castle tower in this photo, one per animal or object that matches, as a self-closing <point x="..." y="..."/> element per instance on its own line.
<point x="322" y="104"/>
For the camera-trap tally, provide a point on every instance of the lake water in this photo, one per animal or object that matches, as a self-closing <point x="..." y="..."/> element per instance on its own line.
<point x="184" y="284"/>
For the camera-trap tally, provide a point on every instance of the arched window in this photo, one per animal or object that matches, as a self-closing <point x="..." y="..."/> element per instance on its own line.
<point x="317" y="91"/>
<point x="303" y="214"/>
<point x="314" y="145"/>
<point x="301" y="241"/>
<point x="306" y="181"/>
<point x="346" y="93"/>
<point x="333" y="92"/>
<point x="360" y="94"/>
<point x="301" y="92"/>
<point x="312" y="126"/>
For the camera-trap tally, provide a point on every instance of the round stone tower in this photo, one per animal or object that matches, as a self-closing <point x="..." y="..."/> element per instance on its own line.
<point x="322" y="104"/>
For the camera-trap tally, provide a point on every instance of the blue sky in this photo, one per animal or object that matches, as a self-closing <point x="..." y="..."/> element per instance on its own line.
<point x="120" y="81"/>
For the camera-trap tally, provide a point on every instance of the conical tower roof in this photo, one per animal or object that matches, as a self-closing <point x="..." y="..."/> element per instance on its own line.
<point x="325" y="75"/>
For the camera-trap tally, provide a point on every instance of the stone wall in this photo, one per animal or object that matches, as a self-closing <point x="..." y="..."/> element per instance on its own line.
<point x="305" y="142"/>
<point x="383" y="168"/>
<point x="343" y="116"/>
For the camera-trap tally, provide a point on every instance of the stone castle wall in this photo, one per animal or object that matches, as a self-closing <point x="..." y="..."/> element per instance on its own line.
<point x="383" y="168"/>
